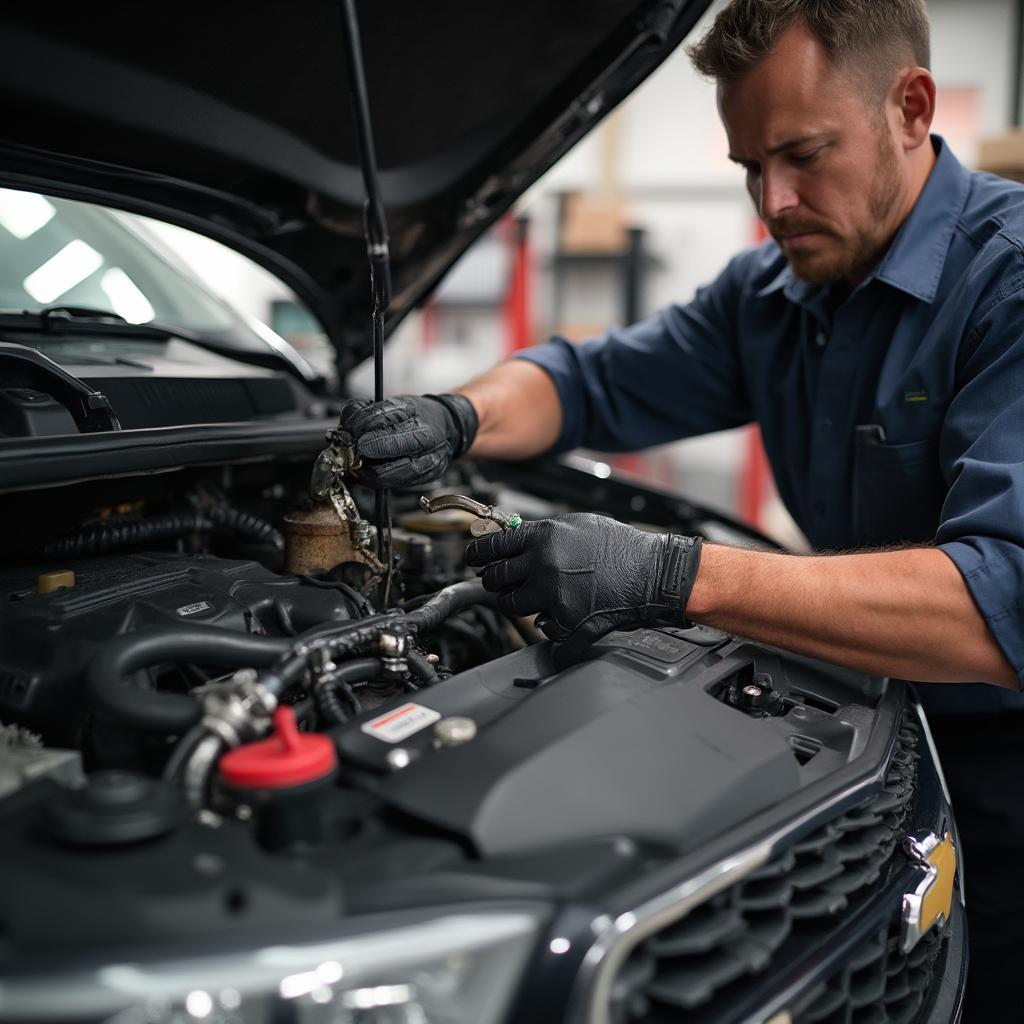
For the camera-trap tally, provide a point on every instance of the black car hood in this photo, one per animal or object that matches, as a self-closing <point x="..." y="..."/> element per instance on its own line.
<point x="234" y="119"/>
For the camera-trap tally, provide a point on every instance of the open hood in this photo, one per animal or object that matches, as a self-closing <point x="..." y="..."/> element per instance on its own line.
<point x="234" y="119"/>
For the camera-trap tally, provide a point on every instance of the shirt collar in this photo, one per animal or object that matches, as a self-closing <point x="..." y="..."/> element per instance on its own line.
<point x="917" y="255"/>
<point x="914" y="260"/>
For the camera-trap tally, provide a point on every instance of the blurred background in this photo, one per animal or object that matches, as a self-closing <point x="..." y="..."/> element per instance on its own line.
<point x="638" y="215"/>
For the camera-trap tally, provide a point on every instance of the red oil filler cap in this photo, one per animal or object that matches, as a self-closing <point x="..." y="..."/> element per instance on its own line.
<point x="286" y="758"/>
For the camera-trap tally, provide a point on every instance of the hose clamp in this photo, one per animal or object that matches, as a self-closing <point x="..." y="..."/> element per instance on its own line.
<point x="237" y="710"/>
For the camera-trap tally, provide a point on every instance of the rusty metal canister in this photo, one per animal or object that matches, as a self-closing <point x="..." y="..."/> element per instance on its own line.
<point x="316" y="540"/>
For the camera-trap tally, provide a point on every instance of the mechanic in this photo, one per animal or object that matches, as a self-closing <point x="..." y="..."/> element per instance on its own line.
<point x="877" y="341"/>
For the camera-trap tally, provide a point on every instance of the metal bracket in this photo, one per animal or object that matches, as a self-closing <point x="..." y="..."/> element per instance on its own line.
<point x="327" y="483"/>
<point x="491" y="518"/>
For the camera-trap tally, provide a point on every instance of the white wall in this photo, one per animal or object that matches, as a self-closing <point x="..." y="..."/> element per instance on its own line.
<point x="972" y="45"/>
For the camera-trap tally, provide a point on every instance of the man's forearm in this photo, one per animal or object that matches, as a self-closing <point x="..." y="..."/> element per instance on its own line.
<point x="906" y="613"/>
<point x="519" y="410"/>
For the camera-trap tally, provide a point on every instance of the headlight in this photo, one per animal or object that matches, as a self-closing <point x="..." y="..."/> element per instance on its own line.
<point x="455" y="969"/>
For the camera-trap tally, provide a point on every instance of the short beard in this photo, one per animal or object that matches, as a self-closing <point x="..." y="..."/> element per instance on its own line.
<point x="860" y="253"/>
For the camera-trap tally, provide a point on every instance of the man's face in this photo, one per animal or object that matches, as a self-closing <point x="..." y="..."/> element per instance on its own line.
<point x="823" y="164"/>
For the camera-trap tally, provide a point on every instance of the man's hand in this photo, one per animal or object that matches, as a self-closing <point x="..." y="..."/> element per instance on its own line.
<point x="588" y="575"/>
<point x="409" y="439"/>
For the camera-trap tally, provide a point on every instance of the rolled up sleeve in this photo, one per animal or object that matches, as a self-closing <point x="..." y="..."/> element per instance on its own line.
<point x="673" y="375"/>
<point x="982" y="453"/>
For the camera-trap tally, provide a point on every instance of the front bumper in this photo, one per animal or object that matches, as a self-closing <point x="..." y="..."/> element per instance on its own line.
<point x="804" y="926"/>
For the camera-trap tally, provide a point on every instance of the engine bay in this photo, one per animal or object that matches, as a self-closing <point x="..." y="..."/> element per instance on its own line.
<point x="141" y="648"/>
<point x="201" y="750"/>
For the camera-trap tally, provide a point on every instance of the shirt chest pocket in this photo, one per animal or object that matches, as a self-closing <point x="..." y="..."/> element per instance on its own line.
<point x="898" y="489"/>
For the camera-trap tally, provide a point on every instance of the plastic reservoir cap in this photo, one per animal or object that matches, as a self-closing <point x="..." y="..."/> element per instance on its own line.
<point x="286" y="758"/>
<point x="60" y="579"/>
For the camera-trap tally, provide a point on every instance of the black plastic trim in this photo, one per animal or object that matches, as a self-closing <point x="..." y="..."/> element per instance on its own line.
<point x="58" y="461"/>
<point x="91" y="409"/>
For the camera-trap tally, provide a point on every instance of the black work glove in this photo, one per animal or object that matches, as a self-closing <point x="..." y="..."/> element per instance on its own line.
<point x="587" y="575"/>
<point x="409" y="439"/>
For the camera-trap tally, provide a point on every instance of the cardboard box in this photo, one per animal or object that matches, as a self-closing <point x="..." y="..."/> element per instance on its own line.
<point x="1003" y="155"/>
<point x="592" y="223"/>
<point x="574" y="331"/>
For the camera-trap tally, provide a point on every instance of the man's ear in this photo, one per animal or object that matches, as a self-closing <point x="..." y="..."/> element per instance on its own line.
<point x="914" y="97"/>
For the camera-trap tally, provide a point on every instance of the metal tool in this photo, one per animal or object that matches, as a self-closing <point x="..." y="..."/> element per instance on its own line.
<point x="375" y="230"/>
<point x="327" y="483"/>
<point x="491" y="518"/>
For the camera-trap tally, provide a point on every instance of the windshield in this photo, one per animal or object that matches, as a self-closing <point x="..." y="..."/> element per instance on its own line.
<point x="59" y="252"/>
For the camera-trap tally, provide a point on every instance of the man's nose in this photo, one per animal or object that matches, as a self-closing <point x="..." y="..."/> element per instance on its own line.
<point x="777" y="195"/>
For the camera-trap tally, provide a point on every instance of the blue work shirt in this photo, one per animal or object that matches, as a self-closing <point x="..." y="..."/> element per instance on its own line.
<point x="895" y="415"/>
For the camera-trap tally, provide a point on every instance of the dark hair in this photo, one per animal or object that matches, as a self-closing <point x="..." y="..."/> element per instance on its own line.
<point x="871" y="36"/>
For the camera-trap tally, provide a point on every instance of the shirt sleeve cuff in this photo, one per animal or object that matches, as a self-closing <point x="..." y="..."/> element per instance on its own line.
<point x="995" y="579"/>
<point x="558" y="358"/>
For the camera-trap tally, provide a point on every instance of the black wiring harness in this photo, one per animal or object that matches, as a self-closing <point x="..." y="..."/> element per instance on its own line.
<point x="121" y="533"/>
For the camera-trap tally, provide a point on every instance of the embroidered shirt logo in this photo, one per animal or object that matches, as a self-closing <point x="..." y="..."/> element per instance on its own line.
<point x="915" y="397"/>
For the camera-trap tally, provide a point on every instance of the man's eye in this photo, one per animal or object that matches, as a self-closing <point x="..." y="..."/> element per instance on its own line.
<point x="806" y="158"/>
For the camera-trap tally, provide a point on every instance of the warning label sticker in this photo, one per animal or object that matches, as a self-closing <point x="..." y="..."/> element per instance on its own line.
<point x="403" y="721"/>
<point x="195" y="609"/>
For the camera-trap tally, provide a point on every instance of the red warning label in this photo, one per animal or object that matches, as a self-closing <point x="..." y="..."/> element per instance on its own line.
<point x="400" y="722"/>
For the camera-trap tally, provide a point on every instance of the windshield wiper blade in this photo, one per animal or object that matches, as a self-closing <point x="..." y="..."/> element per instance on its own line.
<point x="85" y="320"/>
<point x="91" y="323"/>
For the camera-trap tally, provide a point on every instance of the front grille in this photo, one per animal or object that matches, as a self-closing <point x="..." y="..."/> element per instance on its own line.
<point x="695" y="964"/>
<point x="879" y="984"/>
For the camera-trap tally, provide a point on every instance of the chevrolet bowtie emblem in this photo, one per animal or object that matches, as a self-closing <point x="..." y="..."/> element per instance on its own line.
<point x="931" y="901"/>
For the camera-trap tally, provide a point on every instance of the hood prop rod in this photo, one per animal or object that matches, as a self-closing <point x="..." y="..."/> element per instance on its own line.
<point x="376" y="230"/>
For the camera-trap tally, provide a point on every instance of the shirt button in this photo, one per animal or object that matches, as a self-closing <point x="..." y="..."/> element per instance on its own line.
<point x="819" y="508"/>
<point x="821" y="339"/>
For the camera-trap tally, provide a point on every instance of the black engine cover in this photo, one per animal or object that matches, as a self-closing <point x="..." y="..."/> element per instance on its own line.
<point x="634" y="742"/>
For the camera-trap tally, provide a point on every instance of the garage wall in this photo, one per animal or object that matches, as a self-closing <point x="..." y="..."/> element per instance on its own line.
<point x="671" y="147"/>
<point x="672" y="168"/>
<point x="664" y="151"/>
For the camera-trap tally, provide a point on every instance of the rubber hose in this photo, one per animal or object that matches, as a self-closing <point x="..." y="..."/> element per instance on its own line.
<point x="199" y="767"/>
<point x="471" y="638"/>
<point x="522" y="630"/>
<point x="176" y="713"/>
<point x="419" y="664"/>
<point x="155" y="712"/>
<point x="446" y="603"/>
<point x="328" y="702"/>
<point x="244" y="524"/>
<point x="182" y="753"/>
<point x="343" y="637"/>
<point x="489" y="618"/>
<point x="360" y="602"/>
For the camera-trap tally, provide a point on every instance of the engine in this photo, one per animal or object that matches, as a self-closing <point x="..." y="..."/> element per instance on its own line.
<point x="246" y="687"/>
<point x="117" y="653"/>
